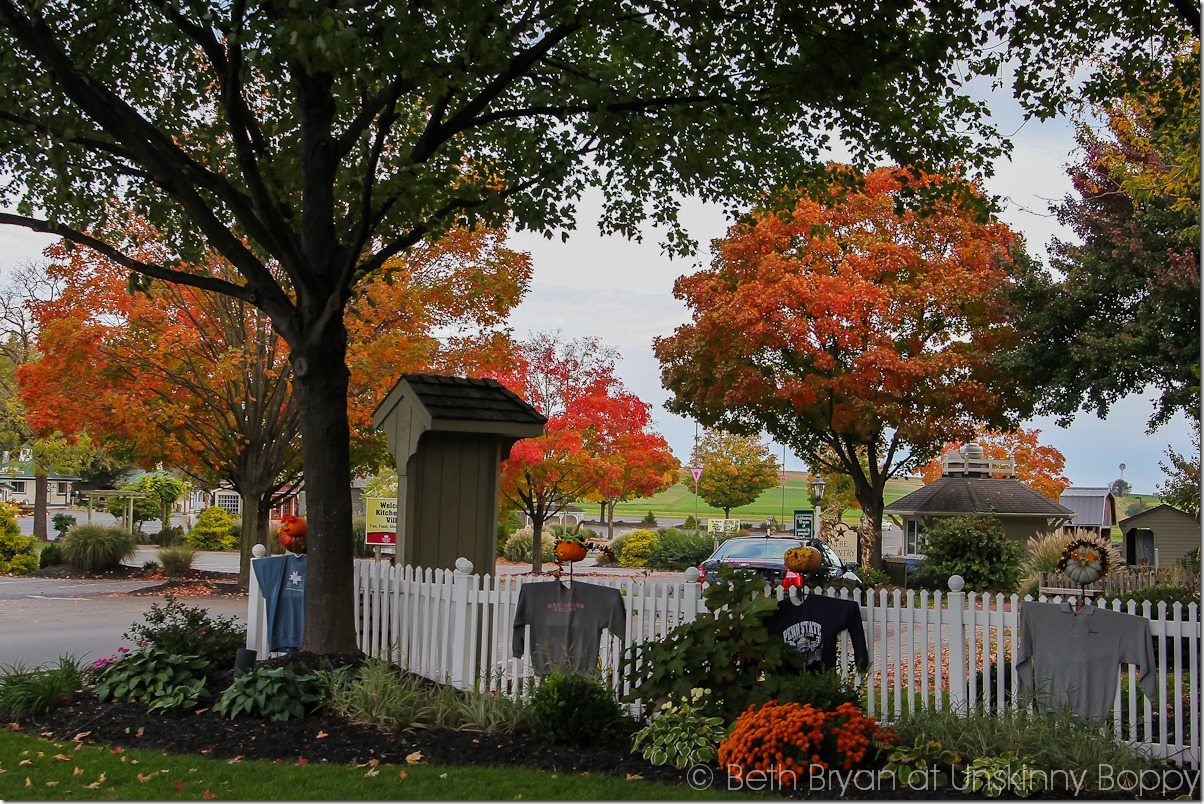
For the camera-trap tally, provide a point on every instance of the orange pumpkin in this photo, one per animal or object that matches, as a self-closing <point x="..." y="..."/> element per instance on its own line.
<point x="292" y="533"/>
<point x="802" y="559"/>
<point x="570" y="551"/>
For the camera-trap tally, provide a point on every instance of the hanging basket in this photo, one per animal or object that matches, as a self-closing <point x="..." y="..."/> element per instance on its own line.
<point x="570" y="551"/>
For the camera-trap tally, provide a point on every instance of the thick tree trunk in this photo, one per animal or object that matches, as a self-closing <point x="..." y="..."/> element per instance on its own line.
<point x="41" y="489"/>
<point x="537" y="544"/>
<point x="610" y="520"/>
<point x="871" y="533"/>
<point x="321" y="375"/>
<point x="256" y="508"/>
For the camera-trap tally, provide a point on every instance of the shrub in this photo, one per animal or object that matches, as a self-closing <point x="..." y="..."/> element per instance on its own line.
<point x="176" y="560"/>
<point x="1189" y="562"/>
<point x="677" y="550"/>
<point x="690" y="524"/>
<point x="637" y="548"/>
<point x="177" y="628"/>
<point x="785" y="739"/>
<point x="974" y="547"/>
<point x="824" y="689"/>
<point x="649" y="520"/>
<point x="276" y="693"/>
<point x="52" y="555"/>
<point x="169" y="536"/>
<point x="163" y="680"/>
<point x="13" y="546"/>
<point x="1043" y="554"/>
<point x="572" y="710"/>
<point x="726" y="649"/>
<point x="62" y="523"/>
<point x="93" y="548"/>
<point x="1168" y="593"/>
<point x="519" y="546"/>
<point x="25" y="692"/>
<point x="871" y="577"/>
<point x="680" y="734"/>
<point x="213" y="530"/>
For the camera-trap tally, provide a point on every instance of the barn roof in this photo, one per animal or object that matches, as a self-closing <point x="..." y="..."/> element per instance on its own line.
<point x="1094" y="505"/>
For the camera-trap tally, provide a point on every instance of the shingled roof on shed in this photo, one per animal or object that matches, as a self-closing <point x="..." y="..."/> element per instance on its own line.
<point x="1095" y="505"/>
<point x="469" y="399"/>
<point x="977" y="495"/>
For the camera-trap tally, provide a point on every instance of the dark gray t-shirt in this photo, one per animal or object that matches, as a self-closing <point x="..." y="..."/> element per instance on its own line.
<point x="566" y="624"/>
<point x="1073" y="659"/>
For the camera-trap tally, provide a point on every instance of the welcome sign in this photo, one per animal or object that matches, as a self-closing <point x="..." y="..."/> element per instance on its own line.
<point x="380" y="515"/>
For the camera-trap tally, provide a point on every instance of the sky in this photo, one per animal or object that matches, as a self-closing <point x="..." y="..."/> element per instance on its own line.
<point x="621" y="292"/>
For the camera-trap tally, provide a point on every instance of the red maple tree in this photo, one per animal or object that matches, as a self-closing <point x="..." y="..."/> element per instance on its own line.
<point x="852" y="322"/>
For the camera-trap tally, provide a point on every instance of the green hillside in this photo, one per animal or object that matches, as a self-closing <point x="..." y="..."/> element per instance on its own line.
<point x="678" y="501"/>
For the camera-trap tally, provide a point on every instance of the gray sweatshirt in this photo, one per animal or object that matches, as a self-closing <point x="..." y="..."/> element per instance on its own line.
<point x="1072" y="659"/>
<point x="566" y="624"/>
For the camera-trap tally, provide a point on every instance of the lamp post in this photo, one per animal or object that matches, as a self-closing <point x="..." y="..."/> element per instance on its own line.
<point x="817" y="490"/>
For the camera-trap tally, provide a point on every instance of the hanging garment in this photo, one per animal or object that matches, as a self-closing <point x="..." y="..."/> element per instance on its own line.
<point x="282" y="584"/>
<point x="566" y="624"/>
<point x="812" y="628"/>
<point x="1071" y="659"/>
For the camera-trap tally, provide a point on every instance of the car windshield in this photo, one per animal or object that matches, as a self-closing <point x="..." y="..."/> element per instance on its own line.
<point x="767" y="548"/>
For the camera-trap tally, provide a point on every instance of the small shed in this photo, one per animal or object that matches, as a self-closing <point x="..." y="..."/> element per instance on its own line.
<point x="971" y="485"/>
<point x="1159" y="536"/>
<point x="1094" y="508"/>
<point x="448" y="437"/>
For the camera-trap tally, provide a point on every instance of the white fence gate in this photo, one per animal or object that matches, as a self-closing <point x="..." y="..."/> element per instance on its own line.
<point x="926" y="649"/>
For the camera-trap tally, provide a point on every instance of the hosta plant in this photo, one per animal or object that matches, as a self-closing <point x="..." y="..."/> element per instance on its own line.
<point x="680" y="735"/>
<point x="269" y="693"/>
<point x="994" y="776"/>
<point x="152" y="675"/>
<point x="924" y="759"/>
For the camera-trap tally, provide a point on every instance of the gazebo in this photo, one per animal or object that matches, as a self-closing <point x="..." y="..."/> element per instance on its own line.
<point x="448" y="437"/>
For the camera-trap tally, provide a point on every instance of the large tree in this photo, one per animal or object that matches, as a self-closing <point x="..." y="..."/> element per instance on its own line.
<point x="1127" y="291"/>
<point x="309" y="142"/>
<point x="856" y="332"/>
<point x="199" y="380"/>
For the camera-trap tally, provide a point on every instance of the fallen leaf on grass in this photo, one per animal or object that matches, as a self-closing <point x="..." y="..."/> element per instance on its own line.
<point x="236" y="760"/>
<point x="28" y="782"/>
<point x="14" y="727"/>
<point x="52" y="784"/>
<point x="63" y="757"/>
<point x="373" y="772"/>
<point x="81" y="736"/>
<point x="373" y="762"/>
<point x="302" y="761"/>
<point x="207" y="794"/>
<point x="78" y="771"/>
<point x="414" y="758"/>
<point x="146" y="777"/>
<point x="117" y="750"/>
<point x="634" y="777"/>
<point x="403" y="775"/>
<point x="321" y="735"/>
<point x="179" y="787"/>
<point x="92" y="786"/>
<point x="78" y="746"/>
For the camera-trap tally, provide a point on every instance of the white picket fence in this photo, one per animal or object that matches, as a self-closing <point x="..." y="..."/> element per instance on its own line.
<point x="926" y="649"/>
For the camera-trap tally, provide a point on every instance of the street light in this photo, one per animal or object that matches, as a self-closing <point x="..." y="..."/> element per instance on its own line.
<point x="817" y="490"/>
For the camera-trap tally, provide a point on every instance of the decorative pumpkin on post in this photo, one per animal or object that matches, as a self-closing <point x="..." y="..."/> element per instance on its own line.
<point x="1084" y="561"/>
<point x="570" y="547"/>
<point x="802" y="559"/>
<point x="292" y="533"/>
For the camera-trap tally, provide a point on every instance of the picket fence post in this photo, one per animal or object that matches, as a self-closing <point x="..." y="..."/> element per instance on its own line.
<point x="462" y="642"/>
<point x="957" y="643"/>
<point x="257" y="615"/>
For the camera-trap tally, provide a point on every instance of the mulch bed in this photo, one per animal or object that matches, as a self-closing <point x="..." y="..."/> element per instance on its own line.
<point x="194" y="583"/>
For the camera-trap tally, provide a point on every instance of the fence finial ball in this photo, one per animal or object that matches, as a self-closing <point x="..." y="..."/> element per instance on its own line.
<point x="259" y="551"/>
<point x="956" y="583"/>
<point x="692" y="574"/>
<point x="463" y="566"/>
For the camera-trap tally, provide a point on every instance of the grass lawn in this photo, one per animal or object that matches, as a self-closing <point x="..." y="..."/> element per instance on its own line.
<point x="33" y="768"/>
<point x="678" y="501"/>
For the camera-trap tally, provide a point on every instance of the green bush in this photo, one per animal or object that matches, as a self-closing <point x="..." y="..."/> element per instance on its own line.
<point x="680" y="734"/>
<point x="62" y="523"/>
<point x="276" y="693"/>
<point x="1168" y="593"/>
<point x="649" y="520"/>
<point x="163" y="680"/>
<point x="726" y="649"/>
<point x="145" y="509"/>
<point x="177" y="628"/>
<point x="519" y="548"/>
<point x="824" y="689"/>
<point x="176" y="560"/>
<point x="15" y="550"/>
<point x="871" y="577"/>
<point x="169" y="536"/>
<point x="677" y="550"/>
<point x="690" y="524"/>
<point x="93" y="548"/>
<point x="52" y="555"/>
<point x="974" y="547"/>
<point x="213" y="530"/>
<point x="25" y="692"/>
<point x="1190" y="563"/>
<point x="572" y="710"/>
<point x="637" y="548"/>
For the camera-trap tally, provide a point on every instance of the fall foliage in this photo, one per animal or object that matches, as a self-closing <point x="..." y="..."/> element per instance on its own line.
<point x="1038" y="466"/>
<point x="735" y="469"/>
<point x="850" y="324"/>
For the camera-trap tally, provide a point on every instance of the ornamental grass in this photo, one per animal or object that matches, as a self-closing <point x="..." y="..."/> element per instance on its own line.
<point x="786" y="740"/>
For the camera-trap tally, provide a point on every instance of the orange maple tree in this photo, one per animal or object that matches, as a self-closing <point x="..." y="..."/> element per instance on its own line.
<point x="1038" y="466"/>
<point x="851" y="322"/>
<point x="201" y="381"/>
<point x="597" y="442"/>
